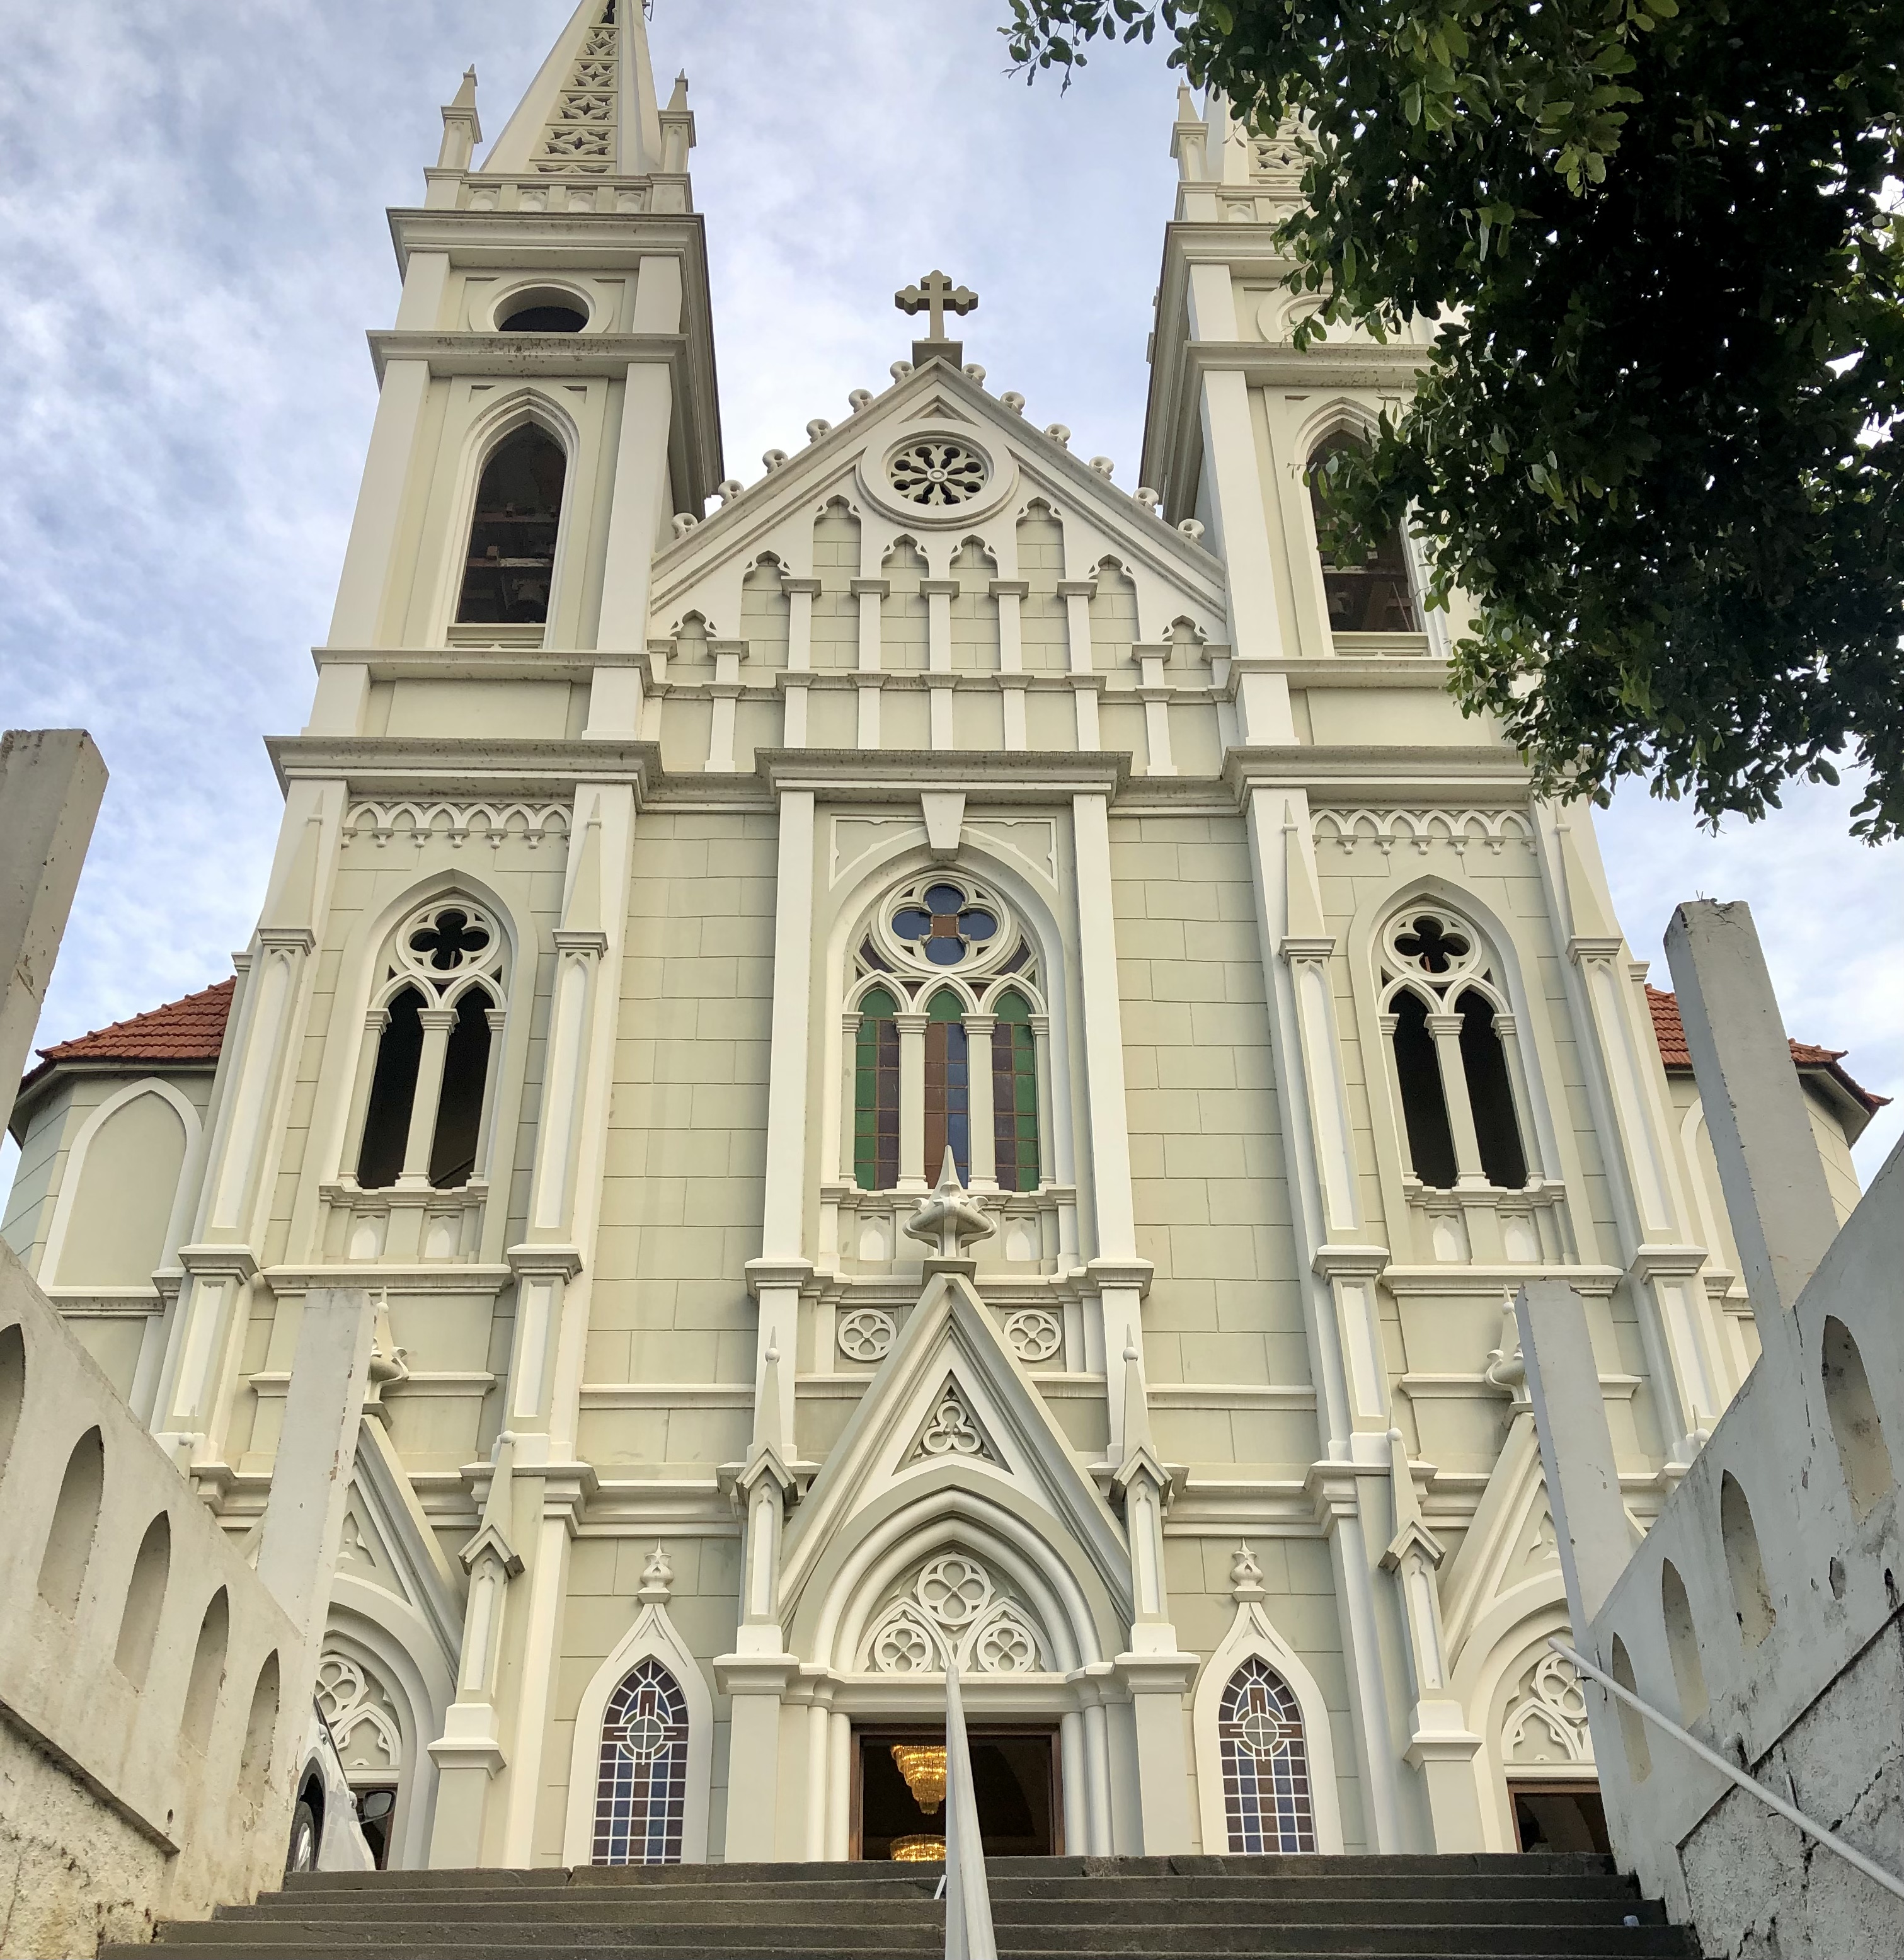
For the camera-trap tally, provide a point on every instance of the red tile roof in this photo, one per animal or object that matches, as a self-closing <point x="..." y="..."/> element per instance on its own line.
<point x="1670" y="1031"/>
<point x="190" y="1031"/>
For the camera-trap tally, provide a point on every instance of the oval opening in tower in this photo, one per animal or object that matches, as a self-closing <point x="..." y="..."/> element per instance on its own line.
<point x="545" y="317"/>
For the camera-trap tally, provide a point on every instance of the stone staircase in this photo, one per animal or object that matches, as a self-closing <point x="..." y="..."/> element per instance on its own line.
<point x="1503" y="1907"/>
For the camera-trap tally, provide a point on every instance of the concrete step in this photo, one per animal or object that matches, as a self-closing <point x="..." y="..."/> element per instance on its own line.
<point x="572" y="1909"/>
<point x="1399" y="1942"/>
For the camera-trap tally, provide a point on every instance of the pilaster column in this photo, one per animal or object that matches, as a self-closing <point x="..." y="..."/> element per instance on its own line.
<point x="872" y="593"/>
<point x="1008" y="594"/>
<point x="799" y="659"/>
<point x="1154" y="692"/>
<point x="1077" y="593"/>
<point x="356" y="619"/>
<point x="437" y="1024"/>
<point x="375" y="1022"/>
<point x="579" y="953"/>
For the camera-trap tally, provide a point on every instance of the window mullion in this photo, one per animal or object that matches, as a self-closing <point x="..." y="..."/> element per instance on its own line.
<point x="1446" y="1029"/>
<point x="978" y="1065"/>
<point x="437" y="1023"/>
<point x="375" y="1022"/>
<point x="912" y="1162"/>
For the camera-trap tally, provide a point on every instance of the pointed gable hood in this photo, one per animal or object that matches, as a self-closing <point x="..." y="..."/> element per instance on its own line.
<point x="591" y="109"/>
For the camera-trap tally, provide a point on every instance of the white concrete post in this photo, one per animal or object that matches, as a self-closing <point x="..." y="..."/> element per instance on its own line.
<point x="1783" y="1219"/>
<point x="52" y="781"/>
<point x="439" y="1023"/>
<point x="1445" y="1030"/>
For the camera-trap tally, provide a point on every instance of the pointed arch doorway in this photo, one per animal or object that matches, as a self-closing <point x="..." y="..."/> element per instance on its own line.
<point x="898" y="1790"/>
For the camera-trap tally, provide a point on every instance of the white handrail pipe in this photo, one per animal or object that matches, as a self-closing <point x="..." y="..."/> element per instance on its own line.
<point x="1831" y="1841"/>
<point x="968" y="1900"/>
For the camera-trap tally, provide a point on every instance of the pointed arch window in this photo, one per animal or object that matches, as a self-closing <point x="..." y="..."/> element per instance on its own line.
<point x="1267" y="1802"/>
<point x="946" y="1040"/>
<point x="641" y="1782"/>
<point x="426" y="1088"/>
<point x="1451" y="1037"/>
<point x="1371" y="594"/>
<point x="510" y="562"/>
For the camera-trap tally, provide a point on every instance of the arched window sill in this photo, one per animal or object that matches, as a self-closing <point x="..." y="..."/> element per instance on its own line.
<point x="1485" y="1225"/>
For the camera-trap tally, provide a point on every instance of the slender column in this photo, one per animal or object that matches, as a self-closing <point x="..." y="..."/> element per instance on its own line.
<point x="578" y="952"/>
<point x="912" y="1152"/>
<point x="785" y="1198"/>
<point x="726" y="691"/>
<point x="496" y="1018"/>
<point x="1103" y="1032"/>
<point x="1154" y="691"/>
<point x="979" y="1030"/>
<point x="819" y="1720"/>
<point x="375" y="1022"/>
<point x="939" y="594"/>
<point x="1009" y="594"/>
<point x="839" y="1787"/>
<point x="870" y="592"/>
<point x="1072" y="1776"/>
<point x="1446" y="1029"/>
<point x="1098" y="1817"/>
<point x="438" y="1024"/>
<point x="1076" y="593"/>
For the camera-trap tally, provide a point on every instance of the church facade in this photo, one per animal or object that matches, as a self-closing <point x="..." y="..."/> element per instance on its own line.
<point x="926" y="1061"/>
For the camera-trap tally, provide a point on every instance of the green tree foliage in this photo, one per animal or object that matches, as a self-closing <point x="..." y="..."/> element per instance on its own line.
<point x="1656" y="441"/>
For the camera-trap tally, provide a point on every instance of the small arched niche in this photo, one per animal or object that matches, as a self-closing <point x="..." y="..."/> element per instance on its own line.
<point x="1632" y="1724"/>
<point x="1744" y="1563"/>
<point x="511" y="563"/>
<point x="1682" y="1643"/>
<point x="1856" y="1428"/>
<point x="75" y="1524"/>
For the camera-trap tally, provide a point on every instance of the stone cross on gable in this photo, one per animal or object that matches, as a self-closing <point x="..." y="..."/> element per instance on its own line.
<point x="935" y="293"/>
<point x="935" y="296"/>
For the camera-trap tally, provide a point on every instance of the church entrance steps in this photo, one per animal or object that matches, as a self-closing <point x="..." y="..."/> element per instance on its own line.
<point x="1453" y="1908"/>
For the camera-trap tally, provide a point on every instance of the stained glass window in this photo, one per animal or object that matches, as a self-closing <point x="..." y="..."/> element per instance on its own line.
<point x="876" y="1094"/>
<point x="641" y="1788"/>
<point x="948" y="1086"/>
<point x="1014" y="1096"/>
<point x="944" y="925"/>
<point x="1265" y="1764"/>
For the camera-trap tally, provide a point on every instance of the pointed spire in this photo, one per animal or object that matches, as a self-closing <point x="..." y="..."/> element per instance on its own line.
<point x="1586" y="913"/>
<point x="1410" y="1532"/>
<point x="1305" y="919"/>
<point x="1137" y="1408"/>
<point x="583" y="912"/>
<point x="590" y="111"/>
<point x="462" y="129"/>
<point x="498" y="1514"/>
<point x="658" y="1580"/>
<point x="292" y="906"/>
<point x="679" y="99"/>
<point x="773" y="1434"/>
<point x="1245" y="1574"/>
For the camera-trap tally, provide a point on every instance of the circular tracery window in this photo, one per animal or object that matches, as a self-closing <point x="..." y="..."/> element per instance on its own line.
<point x="446" y="939"/>
<point x="938" y="472"/>
<point x="944" y="925"/>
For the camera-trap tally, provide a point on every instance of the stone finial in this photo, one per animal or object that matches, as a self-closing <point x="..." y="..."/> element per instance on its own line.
<point x="678" y="100"/>
<point x="899" y="370"/>
<point x="1152" y="502"/>
<point x="1104" y="466"/>
<point x="817" y="427"/>
<point x="683" y="521"/>
<point x="859" y="399"/>
<point x="949" y="1217"/>
<point x="1506" y="1372"/>
<point x="658" y="1580"/>
<point x="773" y="459"/>
<point x="1012" y="400"/>
<point x="935" y="296"/>
<point x="728" y="488"/>
<point x="973" y="372"/>
<point x="1192" y="528"/>
<point x="1059" y="433"/>
<point x="388" y="1362"/>
<point x="1246" y="1575"/>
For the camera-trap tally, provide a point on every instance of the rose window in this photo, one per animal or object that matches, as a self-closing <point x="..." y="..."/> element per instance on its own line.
<point x="937" y="472"/>
<point x="1430" y="944"/>
<point x="945" y="925"/>
<point x="444" y="941"/>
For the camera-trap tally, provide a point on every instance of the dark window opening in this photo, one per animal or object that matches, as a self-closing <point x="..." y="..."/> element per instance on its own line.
<point x="386" y="1121"/>
<point x="1014" y="1778"/>
<point x="376" y="1812"/>
<point x="459" y="1110"/>
<point x="948" y="1087"/>
<point x="512" y="540"/>
<point x="1491" y="1095"/>
<point x="545" y="320"/>
<point x="1424" y="1108"/>
<point x="1373" y="596"/>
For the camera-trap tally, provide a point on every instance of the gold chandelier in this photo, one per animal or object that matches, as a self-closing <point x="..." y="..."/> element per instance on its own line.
<point x="918" y="1850"/>
<point x="923" y="1766"/>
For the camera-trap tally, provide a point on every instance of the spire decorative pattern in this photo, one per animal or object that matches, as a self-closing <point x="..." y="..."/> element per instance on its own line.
<point x="579" y="138"/>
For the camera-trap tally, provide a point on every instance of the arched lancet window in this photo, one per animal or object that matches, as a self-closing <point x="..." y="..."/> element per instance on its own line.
<point x="1449" y="1027"/>
<point x="641" y="1784"/>
<point x="1266" y="1798"/>
<point x="1373" y="596"/>
<point x="428" y="1090"/>
<point x="938" y="1065"/>
<point x="511" y="557"/>
<point x="1014" y="1094"/>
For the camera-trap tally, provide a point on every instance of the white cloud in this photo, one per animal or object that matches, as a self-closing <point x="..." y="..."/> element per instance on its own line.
<point x="192" y="245"/>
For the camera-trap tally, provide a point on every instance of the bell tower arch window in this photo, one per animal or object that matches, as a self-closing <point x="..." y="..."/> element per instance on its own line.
<point x="946" y="1032"/>
<point x="440" y="1007"/>
<point x="1451" y="1037"/>
<point x="1372" y="593"/>
<point x="510" y="562"/>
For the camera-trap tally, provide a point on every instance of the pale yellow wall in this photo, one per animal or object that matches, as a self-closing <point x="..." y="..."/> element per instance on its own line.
<point x="128" y="1181"/>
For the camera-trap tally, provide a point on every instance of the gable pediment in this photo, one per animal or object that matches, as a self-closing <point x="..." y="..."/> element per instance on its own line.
<point x="1001" y="466"/>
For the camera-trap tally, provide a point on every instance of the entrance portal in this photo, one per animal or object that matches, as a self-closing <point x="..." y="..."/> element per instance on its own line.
<point x="1014" y="1775"/>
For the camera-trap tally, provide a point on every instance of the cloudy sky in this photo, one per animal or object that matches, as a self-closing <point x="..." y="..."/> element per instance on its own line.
<point x="192" y="244"/>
